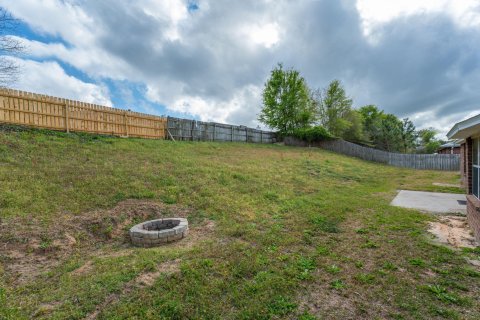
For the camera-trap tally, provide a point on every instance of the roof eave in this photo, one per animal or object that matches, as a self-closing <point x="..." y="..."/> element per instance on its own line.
<point x="452" y="132"/>
<point x="465" y="128"/>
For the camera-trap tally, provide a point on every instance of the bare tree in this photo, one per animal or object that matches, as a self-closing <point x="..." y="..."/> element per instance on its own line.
<point x="9" y="46"/>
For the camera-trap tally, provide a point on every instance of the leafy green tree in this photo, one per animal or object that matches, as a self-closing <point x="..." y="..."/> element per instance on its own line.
<point x="286" y="101"/>
<point x="391" y="132"/>
<point x="333" y="108"/>
<point x="428" y="142"/>
<point x="372" y="118"/>
<point x="432" y="146"/>
<point x="427" y="135"/>
<point x="355" y="131"/>
<point x="386" y="131"/>
<point x="408" y="135"/>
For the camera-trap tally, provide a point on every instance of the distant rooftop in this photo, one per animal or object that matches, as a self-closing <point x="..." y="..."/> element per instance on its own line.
<point x="450" y="144"/>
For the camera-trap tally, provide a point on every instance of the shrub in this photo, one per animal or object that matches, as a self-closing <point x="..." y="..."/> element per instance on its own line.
<point x="312" y="134"/>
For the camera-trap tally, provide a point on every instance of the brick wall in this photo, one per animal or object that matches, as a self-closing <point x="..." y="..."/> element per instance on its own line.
<point x="455" y="150"/>
<point x="473" y="215"/>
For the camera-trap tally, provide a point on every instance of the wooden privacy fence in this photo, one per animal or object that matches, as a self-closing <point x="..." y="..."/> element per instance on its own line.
<point x="447" y="162"/>
<point x="41" y="111"/>
<point x="183" y="129"/>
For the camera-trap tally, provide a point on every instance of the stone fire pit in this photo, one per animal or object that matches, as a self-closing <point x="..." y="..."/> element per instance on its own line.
<point x="160" y="231"/>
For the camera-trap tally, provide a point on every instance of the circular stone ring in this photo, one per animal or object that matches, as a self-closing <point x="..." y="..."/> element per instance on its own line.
<point x="160" y="231"/>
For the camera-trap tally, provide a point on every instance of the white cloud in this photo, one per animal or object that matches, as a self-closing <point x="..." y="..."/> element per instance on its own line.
<point x="374" y="13"/>
<point x="212" y="62"/>
<point x="430" y="119"/>
<point x="64" y="19"/>
<point x="49" y="78"/>
<point x="211" y="109"/>
<point x="266" y="35"/>
<point x="93" y="61"/>
<point x="173" y="12"/>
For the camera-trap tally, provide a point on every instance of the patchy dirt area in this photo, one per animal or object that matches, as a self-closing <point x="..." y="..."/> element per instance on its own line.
<point x="29" y="247"/>
<point x="321" y="299"/>
<point x="453" y="231"/>
<point x="143" y="280"/>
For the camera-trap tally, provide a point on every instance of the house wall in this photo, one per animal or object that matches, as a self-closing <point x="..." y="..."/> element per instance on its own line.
<point x="450" y="151"/>
<point x="473" y="215"/>
<point x="473" y="204"/>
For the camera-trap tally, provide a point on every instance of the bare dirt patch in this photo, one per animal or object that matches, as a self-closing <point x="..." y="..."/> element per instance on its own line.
<point x="322" y="300"/>
<point x="147" y="279"/>
<point x="29" y="247"/>
<point x="46" y="308"/>
<point x="85" y="268"/>
<point x="453" y="231"/>
<point x="143" y="280"/>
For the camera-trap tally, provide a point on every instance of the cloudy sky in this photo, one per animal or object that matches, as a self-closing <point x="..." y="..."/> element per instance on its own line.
<point x="209" y="60"/>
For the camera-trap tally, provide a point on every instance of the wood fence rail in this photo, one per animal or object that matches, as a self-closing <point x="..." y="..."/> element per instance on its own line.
<point x="446" y="162"/>
<point x="42" y="111"/>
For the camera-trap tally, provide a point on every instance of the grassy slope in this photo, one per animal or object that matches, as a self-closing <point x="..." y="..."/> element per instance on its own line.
<point x="299" y="232"/>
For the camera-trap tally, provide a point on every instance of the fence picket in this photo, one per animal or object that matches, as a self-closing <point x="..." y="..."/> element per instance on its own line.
<point x="446" y="162"/>
<point x="24" y="108"/>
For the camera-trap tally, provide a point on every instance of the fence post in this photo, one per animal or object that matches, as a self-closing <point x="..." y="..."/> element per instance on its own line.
<point x="67" y="126"/>
<point x="261" y="136"/>
<point x="126" y="123"/>
<point x="214" y="129"/>
<point x="231" y="127"/>
<point x="191" y="131"/>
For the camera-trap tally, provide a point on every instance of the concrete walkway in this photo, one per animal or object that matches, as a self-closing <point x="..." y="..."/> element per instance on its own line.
<point x="431" y="201"/>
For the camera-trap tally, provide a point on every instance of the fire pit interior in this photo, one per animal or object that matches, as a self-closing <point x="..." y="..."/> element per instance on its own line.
<point x="160" y="231"/>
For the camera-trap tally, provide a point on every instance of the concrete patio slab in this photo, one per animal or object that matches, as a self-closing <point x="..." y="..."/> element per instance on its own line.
<point x="439" y="184"/>
<point x="431" y="201"/>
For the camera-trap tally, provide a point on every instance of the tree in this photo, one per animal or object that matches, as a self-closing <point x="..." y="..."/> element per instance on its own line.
<point x="333" y="108"/>
<point x="386" y="131"/>
<point x="428" y="141"/>
<point x="391" y="133"/>
<point x="355" y="131"/>
<point x="9" y="46"/>
<point x="372" y="118"/>
<point x="432" y="146"/>
<point x="286" y="101"/>
<point x="427" y="135"/>
<point x="408" y="135"/>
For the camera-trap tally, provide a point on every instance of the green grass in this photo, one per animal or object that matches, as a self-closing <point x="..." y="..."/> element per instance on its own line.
<point x="299" y="233"/>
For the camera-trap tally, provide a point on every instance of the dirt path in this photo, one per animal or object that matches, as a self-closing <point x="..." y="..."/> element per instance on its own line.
<point x="453" y="231"/>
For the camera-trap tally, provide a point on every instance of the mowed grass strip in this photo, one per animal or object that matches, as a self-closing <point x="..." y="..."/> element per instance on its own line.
<point x="299" y="233"/>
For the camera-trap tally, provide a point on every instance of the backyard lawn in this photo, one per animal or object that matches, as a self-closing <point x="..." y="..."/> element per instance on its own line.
<point x="275" y="233"/>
